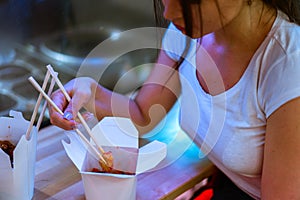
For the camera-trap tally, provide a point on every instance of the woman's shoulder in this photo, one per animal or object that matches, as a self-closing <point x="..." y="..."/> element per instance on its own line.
<point x="282" y="44"/>
<point x="279" y="66"/>
<point x="286" y="34"/>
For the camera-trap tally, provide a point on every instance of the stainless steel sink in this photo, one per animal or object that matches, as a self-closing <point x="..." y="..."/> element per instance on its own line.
<point x="67" y="48"/>
<point x="16" y="93"/>
<point x="6" y="102"/>
<point x="72" y="50"/>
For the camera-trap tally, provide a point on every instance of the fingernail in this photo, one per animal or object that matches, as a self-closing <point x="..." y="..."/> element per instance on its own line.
<point x="68" y="116"/>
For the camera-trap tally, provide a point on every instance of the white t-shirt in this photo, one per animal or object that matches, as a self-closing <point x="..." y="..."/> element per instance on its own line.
<point x="230" y="127"/>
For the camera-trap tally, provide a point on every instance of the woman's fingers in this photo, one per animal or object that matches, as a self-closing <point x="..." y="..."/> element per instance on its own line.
<point x="55" y="117"/>
<point x="80" y="92"/>
<point x="57" y="120"/>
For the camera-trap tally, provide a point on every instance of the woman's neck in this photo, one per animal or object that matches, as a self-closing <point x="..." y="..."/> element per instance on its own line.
<point x="248" y="29"/>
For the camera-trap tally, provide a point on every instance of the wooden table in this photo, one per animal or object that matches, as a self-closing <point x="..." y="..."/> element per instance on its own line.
<point x="57" y="178"/>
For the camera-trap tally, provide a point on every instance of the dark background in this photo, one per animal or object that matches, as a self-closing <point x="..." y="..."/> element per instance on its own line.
<point x="25" y="19"/>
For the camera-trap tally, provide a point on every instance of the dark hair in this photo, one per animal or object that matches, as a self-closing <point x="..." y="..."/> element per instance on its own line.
<point x="290" y="7"/>
<point x="162" y="22"/>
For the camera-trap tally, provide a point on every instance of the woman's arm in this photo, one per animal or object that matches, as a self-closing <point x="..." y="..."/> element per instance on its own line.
<point x="153" y="100"/>
<point x="281" y="166"/>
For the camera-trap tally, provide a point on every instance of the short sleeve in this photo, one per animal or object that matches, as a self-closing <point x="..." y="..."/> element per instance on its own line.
<point x="281" y="83"/>
<point x="174" y="42"/>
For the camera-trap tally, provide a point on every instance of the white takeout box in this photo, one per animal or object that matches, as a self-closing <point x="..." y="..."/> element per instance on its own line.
<point x="121" y="137"/>
<point x="17" y="183"/>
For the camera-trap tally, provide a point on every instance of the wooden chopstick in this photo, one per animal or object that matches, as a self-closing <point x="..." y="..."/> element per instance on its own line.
<point x="39" y="122"/>
<point x="61" y="87"/>
<point x="37" y="105"/>
<point x="38" y="88"/>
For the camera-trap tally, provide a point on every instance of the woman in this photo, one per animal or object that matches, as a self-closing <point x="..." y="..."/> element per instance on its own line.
<point x="238" y="86"/>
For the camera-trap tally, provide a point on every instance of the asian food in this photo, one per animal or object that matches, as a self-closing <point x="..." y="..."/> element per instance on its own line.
<point x="108" y="166"/>
<point x="112" y="171"/>
<point x="8" y="148"/>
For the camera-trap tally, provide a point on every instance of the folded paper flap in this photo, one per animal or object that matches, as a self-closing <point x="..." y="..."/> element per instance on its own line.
<point x="116" y="131"/>
<point x="17" y="115"/>
<point x="150" y="155"/>
<point x="152" y="147"/>
<point x="75" y="149"/>
<point x="124" y="124"/>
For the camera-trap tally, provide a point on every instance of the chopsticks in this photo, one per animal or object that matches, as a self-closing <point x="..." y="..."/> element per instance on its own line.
<point x="41" y="90"/>
<point x="35" y="111"/>
<point x="42" y="93"/>
<point x="61" y="87"/>
<point x="45" y="104"/>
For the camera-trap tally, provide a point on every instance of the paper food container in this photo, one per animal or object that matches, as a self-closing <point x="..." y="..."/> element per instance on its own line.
<point x="119" y="136"/>
<point x="17" y="182"/>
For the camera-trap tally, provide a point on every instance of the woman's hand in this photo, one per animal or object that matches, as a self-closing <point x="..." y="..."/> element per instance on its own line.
<point x="82" y="91"/>
<point x="156" y="97"/>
